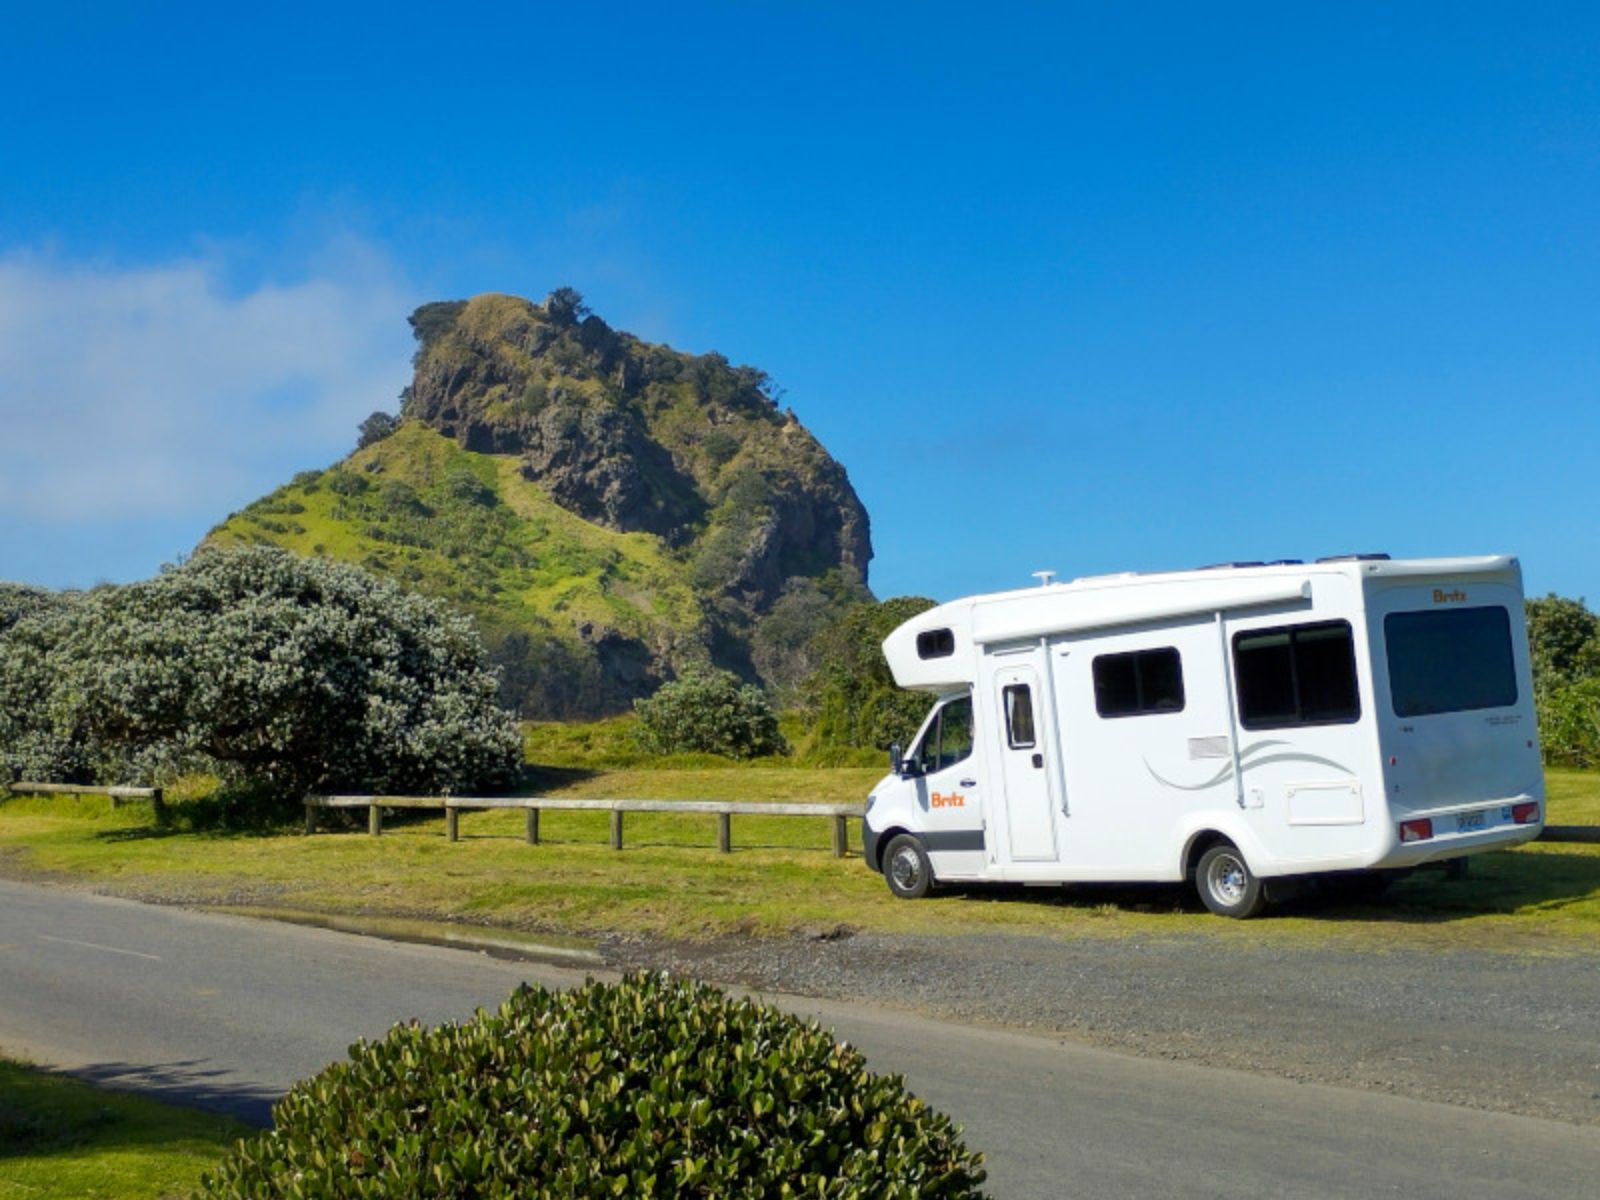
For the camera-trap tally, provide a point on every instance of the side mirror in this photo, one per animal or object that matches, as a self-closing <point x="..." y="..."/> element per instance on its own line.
<point x="894" y="758"/>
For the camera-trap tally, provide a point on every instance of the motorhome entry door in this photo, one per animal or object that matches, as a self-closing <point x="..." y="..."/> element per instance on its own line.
<point x="1030" y="817"/>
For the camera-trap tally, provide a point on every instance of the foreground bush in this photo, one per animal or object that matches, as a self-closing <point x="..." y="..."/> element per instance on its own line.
<point x="650" y="1087"/>
<point x="711" y="712"/>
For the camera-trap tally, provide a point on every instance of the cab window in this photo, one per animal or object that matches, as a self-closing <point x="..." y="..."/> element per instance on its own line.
<point x="948" y="740"/>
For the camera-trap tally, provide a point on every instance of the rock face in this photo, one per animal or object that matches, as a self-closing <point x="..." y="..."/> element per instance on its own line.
<point x="641" y="438"/>
<point x="611" y="511"/>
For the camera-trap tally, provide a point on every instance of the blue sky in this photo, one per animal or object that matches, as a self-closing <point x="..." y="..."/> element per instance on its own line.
<point x="1089" y="288"/>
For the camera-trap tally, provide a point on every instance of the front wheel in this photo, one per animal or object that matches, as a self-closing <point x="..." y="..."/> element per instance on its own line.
<point x="906" y="868"/>
<point x="1227" y="885"/>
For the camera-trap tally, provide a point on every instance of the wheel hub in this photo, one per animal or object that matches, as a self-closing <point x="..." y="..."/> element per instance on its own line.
<point x="1227" y="880"/>
<point x="905" y="869"/>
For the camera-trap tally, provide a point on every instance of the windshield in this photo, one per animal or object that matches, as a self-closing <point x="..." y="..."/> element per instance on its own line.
<point x="1450" y="660"/>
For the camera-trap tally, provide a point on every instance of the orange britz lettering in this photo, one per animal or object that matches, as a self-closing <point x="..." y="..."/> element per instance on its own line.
<point x="952" y="800"/>
<point x="1454" y="596"/>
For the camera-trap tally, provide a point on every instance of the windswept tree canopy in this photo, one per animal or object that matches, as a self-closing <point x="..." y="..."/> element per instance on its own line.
<point x="298" y="674"/>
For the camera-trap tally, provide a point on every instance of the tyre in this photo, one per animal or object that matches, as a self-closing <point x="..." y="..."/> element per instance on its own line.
<point x="1227" y="885"/>
<point x="906" y="868"/>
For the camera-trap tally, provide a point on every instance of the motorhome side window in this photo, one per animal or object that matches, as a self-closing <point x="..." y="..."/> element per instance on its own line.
<point x="1450" y="660"/>
<point x="949" y="739"/>
<point x="936" y="643"/>
<point x="1296" y="675"/>
<point x="1140" y="683"/>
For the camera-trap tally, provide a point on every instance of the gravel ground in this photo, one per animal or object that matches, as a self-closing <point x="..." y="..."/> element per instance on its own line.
<point x="1509" y="1033"/>
<point x="1503" y="1032"/>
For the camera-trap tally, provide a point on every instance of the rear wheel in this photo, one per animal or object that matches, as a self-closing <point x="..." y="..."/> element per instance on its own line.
<point x="1227" y="885"/>
<point x="906" y="868"/>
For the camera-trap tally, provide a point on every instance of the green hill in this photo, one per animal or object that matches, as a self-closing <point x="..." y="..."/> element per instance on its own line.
<point x="610" y="510"/>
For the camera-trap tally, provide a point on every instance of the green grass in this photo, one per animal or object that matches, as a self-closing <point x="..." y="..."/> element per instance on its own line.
<point x="781" y="878"/>
<point x="520" y="562"/>
<point x="60" y="1137"/>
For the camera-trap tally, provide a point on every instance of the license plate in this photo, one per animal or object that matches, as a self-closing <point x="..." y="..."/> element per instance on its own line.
<point x="1467" y="822"/>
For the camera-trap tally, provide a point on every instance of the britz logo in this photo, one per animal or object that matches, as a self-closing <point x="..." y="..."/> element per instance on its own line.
<point x="953" y="800"/>
<point x="1453" y="596"/>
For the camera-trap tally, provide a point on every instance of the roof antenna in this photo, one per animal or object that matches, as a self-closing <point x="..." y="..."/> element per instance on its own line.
<point x="1044" y="577"/>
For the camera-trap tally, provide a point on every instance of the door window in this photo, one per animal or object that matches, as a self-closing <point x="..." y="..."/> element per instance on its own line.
<point x="1017" y="699"/>
<point x="948" y="740"/>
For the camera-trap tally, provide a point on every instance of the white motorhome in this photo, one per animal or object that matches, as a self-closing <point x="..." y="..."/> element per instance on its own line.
<point x="1344" y="719"/>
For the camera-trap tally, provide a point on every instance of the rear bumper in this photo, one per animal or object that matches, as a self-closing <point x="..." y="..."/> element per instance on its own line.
<point x="1448" y="841"/>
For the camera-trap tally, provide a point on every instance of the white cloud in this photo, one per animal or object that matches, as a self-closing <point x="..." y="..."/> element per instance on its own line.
<point x="156" y="391"/>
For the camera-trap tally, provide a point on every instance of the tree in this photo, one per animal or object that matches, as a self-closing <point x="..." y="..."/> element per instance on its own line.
<point x="851" y="696"/>
<point x="565" y="306"/>
<point x="294" y="675"/>
<point x="709" y="711"/>
<point x="41" y="737"/>
<point x="375" y="428"/>
<point x="1563" y="639"/>
<point x="430" y="322"/>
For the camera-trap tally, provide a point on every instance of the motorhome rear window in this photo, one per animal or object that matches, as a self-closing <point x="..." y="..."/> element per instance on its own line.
<point x="936" y="643"/>
<point x="1296" y="675"/>
<point x="1450" y="660"/>
<point x="1139" y="683"/>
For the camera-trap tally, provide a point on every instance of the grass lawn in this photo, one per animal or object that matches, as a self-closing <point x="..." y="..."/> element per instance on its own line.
<point x="780" y="879"/>
<point x="60" y="1137"/>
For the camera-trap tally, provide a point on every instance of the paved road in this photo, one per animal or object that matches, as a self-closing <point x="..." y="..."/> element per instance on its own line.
<point x="228" y="1012"/>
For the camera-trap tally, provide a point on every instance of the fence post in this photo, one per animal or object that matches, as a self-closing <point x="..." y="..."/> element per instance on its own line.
<point x="533" y="827"/>
<point x="725" y="832"/>
<point x="311" y="818"/>
<point x="616" y="829"/>
<point x="452" y="827"/>
<point x="841" y="838"/>
<point x="374" y="820"/>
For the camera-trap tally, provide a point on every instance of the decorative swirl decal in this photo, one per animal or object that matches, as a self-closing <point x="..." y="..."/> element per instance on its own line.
<point x="1254" y="755"/>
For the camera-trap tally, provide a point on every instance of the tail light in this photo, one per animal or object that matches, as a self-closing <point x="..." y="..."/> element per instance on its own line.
<point x="1525" y="814"/>
<point x="1419" y="830"/>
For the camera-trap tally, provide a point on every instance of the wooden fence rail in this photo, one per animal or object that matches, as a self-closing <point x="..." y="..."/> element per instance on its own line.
<point x="723" y="810"/>
<point x="116" y="794"/>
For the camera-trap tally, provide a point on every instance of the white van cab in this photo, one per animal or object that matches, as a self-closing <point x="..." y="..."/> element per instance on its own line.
<point x="1345" y="719"/>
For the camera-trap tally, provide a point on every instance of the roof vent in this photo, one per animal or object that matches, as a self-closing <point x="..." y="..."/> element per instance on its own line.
<point x="1044" y="577"/>
<point x="1354" y="558"/>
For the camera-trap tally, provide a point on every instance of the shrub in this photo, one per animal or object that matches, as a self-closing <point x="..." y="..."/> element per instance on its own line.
<point x="1569" y="724"/>
<point x="710" y="711"/>
<point x="648" y="1087"/>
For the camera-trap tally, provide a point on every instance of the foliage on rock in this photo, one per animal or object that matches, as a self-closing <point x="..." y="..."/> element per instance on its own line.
<point x="851" y="696"/>
<point x="293" y="675"/>
<point x="648" y="1087"/>
<point x="711" y="712"/>
<point x="642" y="509"/>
